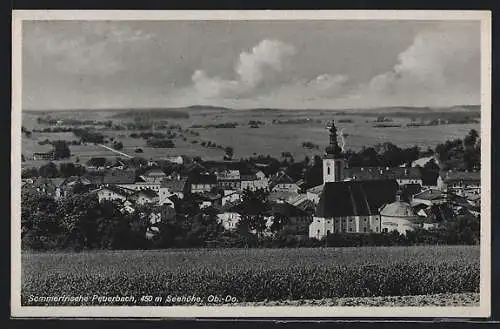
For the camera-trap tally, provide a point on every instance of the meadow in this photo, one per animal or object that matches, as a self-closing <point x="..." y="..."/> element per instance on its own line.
<point x="269" y="138"/>
<point x="253" y="275"/>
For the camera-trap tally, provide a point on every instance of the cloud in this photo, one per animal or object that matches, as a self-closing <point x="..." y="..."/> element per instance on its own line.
<point x="434" y="70"/>
<point x="95" y="48"/>
<point x="253" y="70"/>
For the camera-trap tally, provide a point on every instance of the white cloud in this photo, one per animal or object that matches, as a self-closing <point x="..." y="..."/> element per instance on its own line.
<point x="429" y="73"/>
<point x="97" y="50"/>
<point x="253" y="70"/>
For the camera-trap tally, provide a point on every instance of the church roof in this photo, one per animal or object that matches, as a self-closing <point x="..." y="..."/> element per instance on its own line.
<point x="355" y="198"/>
<point x="398" y="209"/>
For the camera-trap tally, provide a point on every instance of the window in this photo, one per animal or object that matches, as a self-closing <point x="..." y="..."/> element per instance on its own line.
<point x="350" y="229"/>
<point x="365" y="219"/>
<point x="328" y="170"/>
<point x="364" y="229"/>
<point x="327" y="232"/>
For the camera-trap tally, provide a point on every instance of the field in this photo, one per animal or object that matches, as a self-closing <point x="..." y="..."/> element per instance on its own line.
<point x="331" y="275"/>
<point x="269" y="138"/>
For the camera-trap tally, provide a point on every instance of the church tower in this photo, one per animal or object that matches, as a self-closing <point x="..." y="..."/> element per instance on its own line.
<point x="333" y="161"/>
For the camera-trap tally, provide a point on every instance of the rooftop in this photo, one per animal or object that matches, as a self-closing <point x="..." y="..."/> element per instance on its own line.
<point x="355" y="198"/>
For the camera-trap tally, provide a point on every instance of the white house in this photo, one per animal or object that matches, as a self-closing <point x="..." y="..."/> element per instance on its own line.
<point x="154" y="176"/>
<point x="113" y="192"/>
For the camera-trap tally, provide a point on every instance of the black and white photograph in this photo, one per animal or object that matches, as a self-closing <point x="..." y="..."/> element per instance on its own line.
<point x="251" y="164"/>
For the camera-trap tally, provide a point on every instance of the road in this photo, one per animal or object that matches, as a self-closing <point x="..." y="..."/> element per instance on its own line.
<point x="113" y="150"/>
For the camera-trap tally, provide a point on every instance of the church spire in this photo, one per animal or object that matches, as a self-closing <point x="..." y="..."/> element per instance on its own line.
<point x="333" y="149"/>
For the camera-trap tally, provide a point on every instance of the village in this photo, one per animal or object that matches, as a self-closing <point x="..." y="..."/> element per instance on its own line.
<point x="347" y="199"/>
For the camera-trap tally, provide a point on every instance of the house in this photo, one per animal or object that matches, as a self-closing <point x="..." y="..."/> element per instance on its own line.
<point x="153" y="176"/>
<point x="230" y="197"/>
<point x="66" y="186"/>
<point x="283" y="183"/>
<point x="116" y="177"/>
<point x="169" y="187"/>
<point x="175" y="159"/>
<point x="403" y="176"/>
<point x="144" y="197"/>
<point x="209" y="199"/>
<point x="119" y="165"/>
<point x="113" y="192"/>
<point x="314" y="193"/>
<point x="201" y="182"/>
<point x="460" y="182"/>
<point x="254" y="181"/>
<point x="228" y="179"/>
<point x="294" y="218"/>
<point x="230" y="216"/>
<point x="141" y="185"/>
<point x="46" y="186"/>
<point x="43" y="155"/>
<point x="429" y="197"/>
<point x="282" y="196"/>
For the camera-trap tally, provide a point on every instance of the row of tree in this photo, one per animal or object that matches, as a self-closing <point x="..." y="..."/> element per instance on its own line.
<point x="79" y="222"/>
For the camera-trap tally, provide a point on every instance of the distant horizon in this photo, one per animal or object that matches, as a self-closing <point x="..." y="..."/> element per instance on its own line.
<point x="245" y="109"/>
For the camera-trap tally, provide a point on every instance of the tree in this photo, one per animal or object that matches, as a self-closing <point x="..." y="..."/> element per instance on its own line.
<point x="229" y="152"/>
<point x="68" y="169"/>
<point x="49" y="170"/>
<point x="29" y="172"/>
<point x="118" y="145"/>
<point x="96" y="162"/>
<point x="61" y="150"/>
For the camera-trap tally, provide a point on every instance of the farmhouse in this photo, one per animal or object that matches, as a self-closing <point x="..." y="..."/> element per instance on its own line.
<point x="201" y="182"/>
<point x="293" y="218"/>
<point x="43" y="155"/>
<point x="283" y="183"/>
<point x="144" y="197"/>
<point x="460" y="182"/>
<point x="153" y="176"/>
<point x="403" y="176"/>
<point x="115" y="177"/>
<point x="169" y="187"/>
<point x="113" y="192"/>
<point x="228" y="179"/>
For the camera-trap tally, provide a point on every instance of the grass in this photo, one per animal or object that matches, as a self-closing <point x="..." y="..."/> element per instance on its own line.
<point x="269" y="138"/>
<point x="253" y="275"/>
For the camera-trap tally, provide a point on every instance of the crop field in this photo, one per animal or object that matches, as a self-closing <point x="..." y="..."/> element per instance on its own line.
<point x="269" y="138"/>
<point x="253" y="275"/>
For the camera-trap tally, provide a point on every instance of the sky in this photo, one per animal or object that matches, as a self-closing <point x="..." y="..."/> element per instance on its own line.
<point x="303" y="64"/>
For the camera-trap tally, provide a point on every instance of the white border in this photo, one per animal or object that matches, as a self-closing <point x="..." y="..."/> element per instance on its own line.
<point x="483" y="310"/>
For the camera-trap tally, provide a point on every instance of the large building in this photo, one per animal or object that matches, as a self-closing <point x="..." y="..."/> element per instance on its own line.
<point x="351" y="206"/>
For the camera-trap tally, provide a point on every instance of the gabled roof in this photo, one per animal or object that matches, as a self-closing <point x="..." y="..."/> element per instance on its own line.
<point x="355" y="198"/>
<point x="174" y="185"/>
<point x="316" y="189"/>
<point x="147" y="193"/>
<point x="429" y="194"/>
<point x="118" y="190"/>
<point x="286" y="209"/>
<point x="155" y="172"/>
<point x="200" y="178"/>
<point x="119" y="177"/>
<point x="469" y="176"/>
<point x="373" y="173"/>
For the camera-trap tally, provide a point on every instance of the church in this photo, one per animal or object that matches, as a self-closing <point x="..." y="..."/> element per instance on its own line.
<point x="351" y="206"/>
